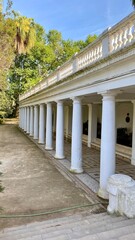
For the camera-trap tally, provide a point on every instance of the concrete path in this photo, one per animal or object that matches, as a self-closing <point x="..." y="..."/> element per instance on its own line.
<point x="32" y="183"/>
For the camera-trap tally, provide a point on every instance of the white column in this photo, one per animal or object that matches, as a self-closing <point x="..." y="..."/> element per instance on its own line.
<point x="108" y="142"/>
<point x="60" y="131"/>
<point x="92" y="123"/>
<point x="42" y="124"/>
<point x="25" y="119"/>
<point x="48" y="145"/>
<point x="133" y="136"/>
<point x="31" y="121"/>
<point x="67" y="121"/>
<point x="54" y="119"/>
<point x="28" y="120"/>
<point x="20" y="117"/>
<point x="76" y="151"/>
<point x="36" y="122"/>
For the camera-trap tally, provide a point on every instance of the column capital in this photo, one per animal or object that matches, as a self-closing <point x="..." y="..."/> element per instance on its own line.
<point x="59" y="101"/>
<point x="76" y="99"/>
<point x="90" y="104"/>
<point x="41" y="104"/>
<point x="111" y="93"/>
<point x="133" y="101"/>
<point x="48" y="102"/>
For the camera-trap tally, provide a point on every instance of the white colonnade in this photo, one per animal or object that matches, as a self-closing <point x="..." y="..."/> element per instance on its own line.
<point x="36" y="128"/>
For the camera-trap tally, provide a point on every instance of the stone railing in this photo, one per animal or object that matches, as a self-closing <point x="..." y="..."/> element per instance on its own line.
<point x="110" y="41"/>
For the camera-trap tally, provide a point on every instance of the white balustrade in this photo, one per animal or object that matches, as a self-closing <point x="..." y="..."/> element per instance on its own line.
<point x="52" y="79"/>
<point x="66" y="71"/>
<point x="113" y="39"/>
<point x="123" y="36"/>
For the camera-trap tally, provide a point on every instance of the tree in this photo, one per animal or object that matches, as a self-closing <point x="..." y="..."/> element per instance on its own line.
<point x="133" y="3"/>
<point x="25" y="34"/>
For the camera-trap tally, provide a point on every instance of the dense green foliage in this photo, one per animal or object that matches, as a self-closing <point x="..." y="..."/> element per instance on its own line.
<point x="48" y="52"/>
<point x="28" y="54"/>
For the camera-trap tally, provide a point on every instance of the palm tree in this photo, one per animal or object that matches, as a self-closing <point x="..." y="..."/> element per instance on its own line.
<point x="1" y="6"/>
<point x="133" y="3"/>
<point x="25" y="34"/>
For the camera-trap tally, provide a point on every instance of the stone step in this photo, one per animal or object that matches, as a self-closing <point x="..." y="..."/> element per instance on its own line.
<point x="44" y="228"/>
<point x="73" y="227"/>
<point x="130" y="236"/>
<point x="87" y="221"/>
<point x="99" y="228"/>
<point x="83" y="227"/>
<point x="57" y="221"/>
<point x="121" y="233"/>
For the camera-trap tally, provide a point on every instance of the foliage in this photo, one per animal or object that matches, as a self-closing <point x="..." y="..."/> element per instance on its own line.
<point x="6" y="48"/>
<point x="133" y="3"/>
<point x="28" y="53"/>
<point x="25" y="34"/>
<point x="6" y="104"/>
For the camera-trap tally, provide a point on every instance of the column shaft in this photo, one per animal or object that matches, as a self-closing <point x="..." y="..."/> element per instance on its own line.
<point x="67" y="121"/>
<point x="49" y="127"/>
<point x="60" y="131"/>
<point x="36" y="122"/>
<point x="42" y="124"/>
<point x="28" y="120"/>
<point x="31" y="121"/>
<point x="25" y="119"/>
<point x="108" y="142"/>
<point x="76" y="151"/>
<point x="133" y="136"/>
<point x="23" y="114"/>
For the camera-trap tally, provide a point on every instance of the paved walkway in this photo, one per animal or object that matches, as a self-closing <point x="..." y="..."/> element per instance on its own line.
<point x="32" y="183"/>
<point x="91" y="162"/>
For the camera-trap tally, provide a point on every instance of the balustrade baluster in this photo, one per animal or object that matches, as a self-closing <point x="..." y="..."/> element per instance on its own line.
<point x="130" y="35"/>
<point x="124" y="38"/>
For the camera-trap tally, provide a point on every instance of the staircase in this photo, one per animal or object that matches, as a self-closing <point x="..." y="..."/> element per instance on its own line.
<point x="83" y="226"/>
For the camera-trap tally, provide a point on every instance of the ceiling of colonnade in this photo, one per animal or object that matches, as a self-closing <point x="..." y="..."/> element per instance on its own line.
<point x="126" y="94"/>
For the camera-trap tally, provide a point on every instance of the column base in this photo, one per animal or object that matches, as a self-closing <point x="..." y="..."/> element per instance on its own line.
<point x="132" y="161"/>
<point x="35" y="138"/>
<point x="40" y="142"/>
<point x="59" y="157"/>
<point x="48" y="148"/>
<point x="79" y="170"/>
<point x="103" y="194"/>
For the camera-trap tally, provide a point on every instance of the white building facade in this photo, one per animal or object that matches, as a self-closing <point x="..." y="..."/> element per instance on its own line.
<point x="90" y="99"/>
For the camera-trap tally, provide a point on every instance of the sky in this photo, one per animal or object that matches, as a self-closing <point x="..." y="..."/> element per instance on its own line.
<point x="75" y="19"/>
